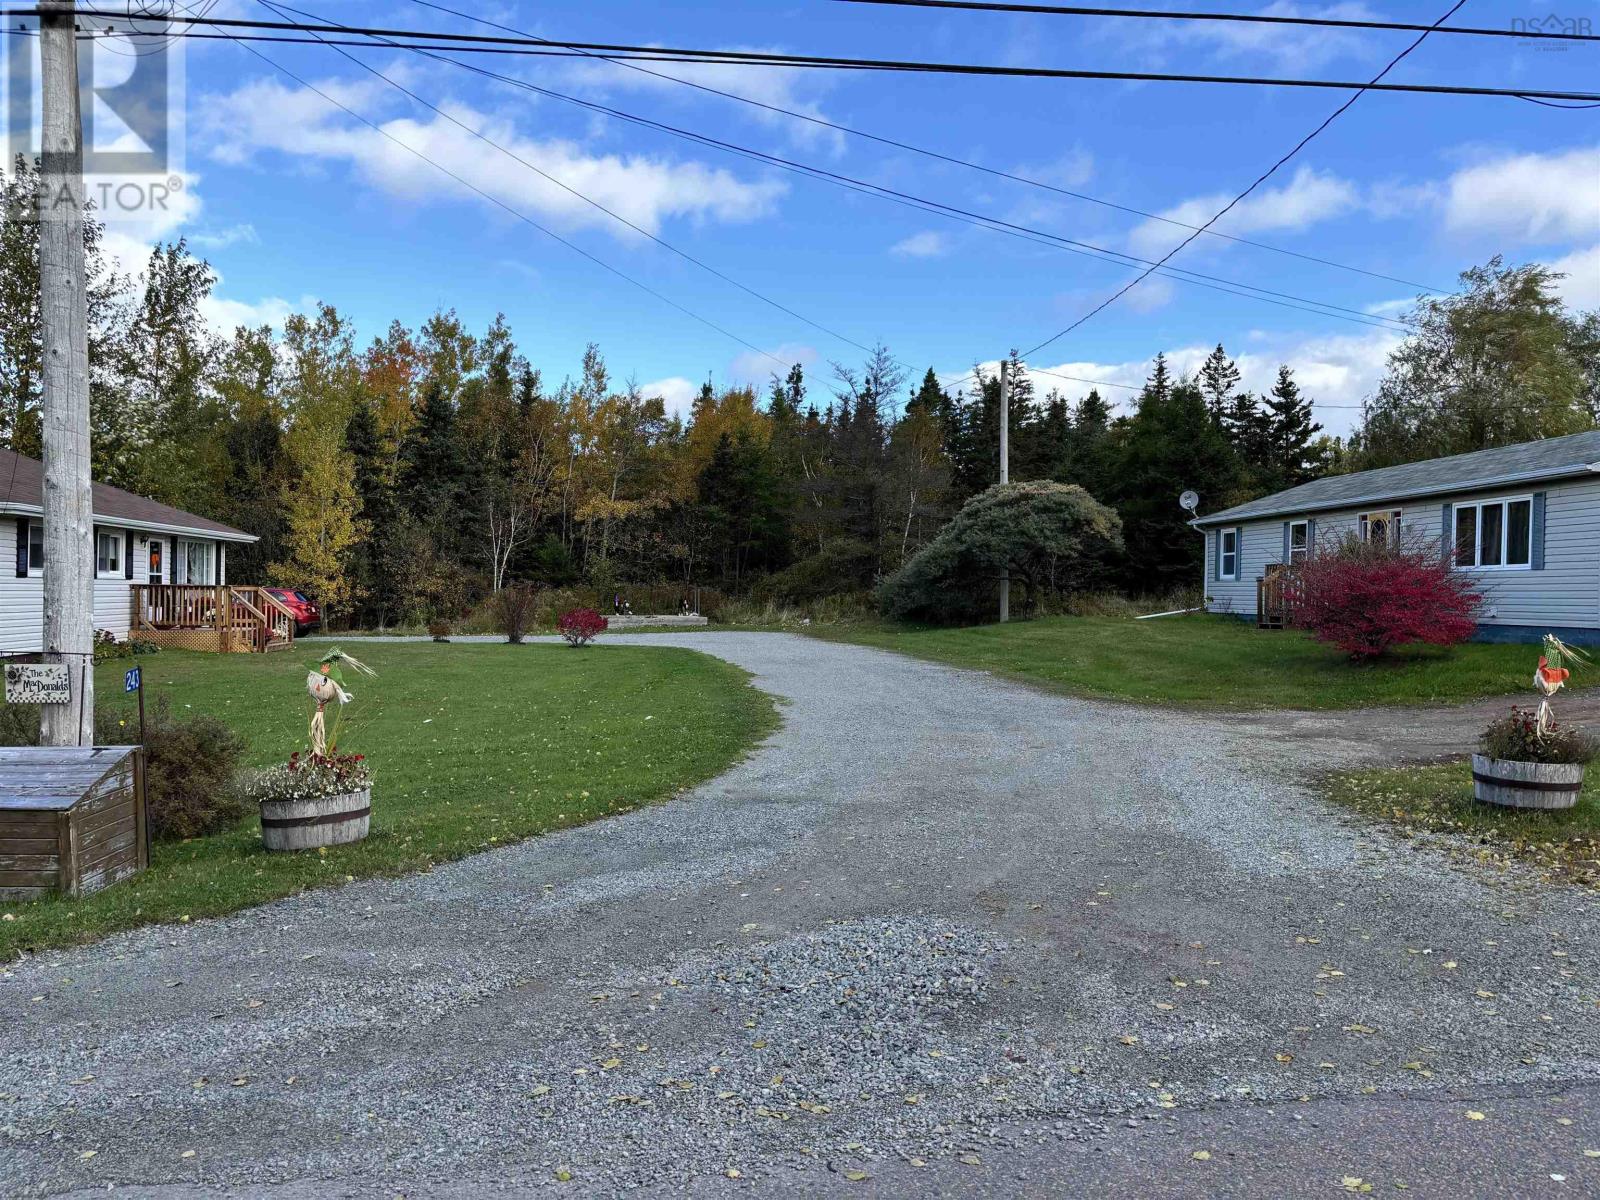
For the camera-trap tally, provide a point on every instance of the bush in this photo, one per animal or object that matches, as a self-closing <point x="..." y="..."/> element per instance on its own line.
<point x="513" y="610"/>
<point x="1055" y="539"/>
<point x="1367" y="598"/>
<point x="439" y="631"/>
<point x="106" y="647"/>
<point x="1516" y="737"/>
<point x="190" y="764"/>
<point x="580" y="626"/>
<point x="842" y="563"/>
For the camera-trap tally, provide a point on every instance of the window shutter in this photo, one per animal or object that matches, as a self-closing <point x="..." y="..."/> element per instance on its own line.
<point x="22" y="547"/>
<point x="127" y="555"/>
<point x="1447" y="533"/>
<point x="1536" y="543"/>
<point x="222" y="562"/>
<point x="1216" y="561"/>
<point x="1286" y="541"/>
<point x="1311" y="535"/>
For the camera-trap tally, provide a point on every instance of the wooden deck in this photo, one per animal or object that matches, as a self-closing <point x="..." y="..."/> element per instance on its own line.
<point x="226" y="619"/>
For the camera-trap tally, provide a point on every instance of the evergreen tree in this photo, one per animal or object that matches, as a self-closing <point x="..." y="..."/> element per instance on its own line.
<point x="1290" y="434"/>
<point x="1171" y="444"/>
<point x="1219" y="383"/>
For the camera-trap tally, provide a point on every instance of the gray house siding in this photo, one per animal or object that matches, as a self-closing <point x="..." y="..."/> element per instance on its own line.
<point x="1563" y="595"/>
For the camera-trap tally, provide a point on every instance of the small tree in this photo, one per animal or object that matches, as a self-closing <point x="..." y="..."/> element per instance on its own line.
<point x="1052" y="538"/>
<point x="513" y="610"/>
<point x="580" y="626"/>
<point x="1369" y="597"/>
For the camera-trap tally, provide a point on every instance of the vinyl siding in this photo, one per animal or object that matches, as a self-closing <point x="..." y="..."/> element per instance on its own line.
<point x="1565" y="594"/>
<point x="22" y="600"/>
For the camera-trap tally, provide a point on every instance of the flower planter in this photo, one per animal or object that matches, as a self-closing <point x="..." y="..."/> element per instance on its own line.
<point x="1514" y="784"/>
<point x="316" y="821"/>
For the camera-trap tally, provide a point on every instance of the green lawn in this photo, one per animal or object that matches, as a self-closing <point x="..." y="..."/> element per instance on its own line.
<point x="1203" y="662"/>
<point x="1438" y="799"/>
<point x="472" y="745"/>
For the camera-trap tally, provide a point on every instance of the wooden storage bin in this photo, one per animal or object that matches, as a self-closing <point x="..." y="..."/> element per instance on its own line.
<point x="72" y="819"/>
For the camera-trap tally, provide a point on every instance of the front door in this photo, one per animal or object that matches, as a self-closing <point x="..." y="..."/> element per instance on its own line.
<point x="155" y="561"/>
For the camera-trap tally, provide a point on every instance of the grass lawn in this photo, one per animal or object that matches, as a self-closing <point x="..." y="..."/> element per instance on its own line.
<point x="1565" y="843"/>
<point x="472" y="746"/>
<point x="1203" y="662"/>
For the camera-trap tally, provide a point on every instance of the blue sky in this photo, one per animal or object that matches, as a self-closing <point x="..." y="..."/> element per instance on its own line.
<point x="294" y="202"/>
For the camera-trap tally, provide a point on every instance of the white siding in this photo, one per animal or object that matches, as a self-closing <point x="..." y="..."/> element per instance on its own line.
<point x="22" y="600"/>
<point x="1566" y="593"/>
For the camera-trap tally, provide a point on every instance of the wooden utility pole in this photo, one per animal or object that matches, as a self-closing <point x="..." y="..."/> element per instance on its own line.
<point x="63" y="305"/>
<point x="1005" y="477"/>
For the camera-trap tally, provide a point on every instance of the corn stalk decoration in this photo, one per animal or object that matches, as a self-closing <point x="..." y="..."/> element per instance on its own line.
<point x="1552" y="675"/>
<point x="325" y="683"/>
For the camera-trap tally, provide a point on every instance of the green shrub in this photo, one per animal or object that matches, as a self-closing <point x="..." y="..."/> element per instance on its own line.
<point x="1054" y="539"/>
<point x="841" y="564"/>
<point x="191" y="764"/>
<point x="1516" y="737"/>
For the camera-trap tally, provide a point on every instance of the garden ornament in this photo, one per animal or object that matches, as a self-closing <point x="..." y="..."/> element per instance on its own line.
<point x="325" y="683"/>
<point x="1551" y="676"/>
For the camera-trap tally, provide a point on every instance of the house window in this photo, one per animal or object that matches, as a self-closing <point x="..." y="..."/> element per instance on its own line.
<point x="1228" y="554"/>
<point x="196" y="562"/>
<point x="1495" y="535"/>
<point x="35" y="548"/>
<point x="108" y="553"/>
<point x="1299" y="541"/>
<point x="1382" y="528"/>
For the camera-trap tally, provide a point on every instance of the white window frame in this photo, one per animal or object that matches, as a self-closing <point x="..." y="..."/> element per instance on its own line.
<point x="1303" y="550"/>
<point x="35" y="565"/>
<point x="1223" y="553"/>
<point x="113" y="562"/>
<point x="208" y="553"/>
<point x="1503" y="503"/>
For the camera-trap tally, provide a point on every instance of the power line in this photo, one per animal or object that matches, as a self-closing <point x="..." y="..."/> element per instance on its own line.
<point x="947" y="158"/>
<point x="1259" y="180"/>
<point x="939" y="208"/>
<point x="543" y="174"/>
<point x="521" y="216"/>
<point x="1251" y="18"/>
<point x="521" y="46"/>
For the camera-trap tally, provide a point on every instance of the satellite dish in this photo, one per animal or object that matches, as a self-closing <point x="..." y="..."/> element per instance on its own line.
<point x="1189" y="500"/>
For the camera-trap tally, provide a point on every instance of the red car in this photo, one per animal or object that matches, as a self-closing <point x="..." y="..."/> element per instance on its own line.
<point x="306" y="615"/>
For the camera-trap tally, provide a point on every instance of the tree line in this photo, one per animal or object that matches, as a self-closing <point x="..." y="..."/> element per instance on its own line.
<point x="407" y="477"/>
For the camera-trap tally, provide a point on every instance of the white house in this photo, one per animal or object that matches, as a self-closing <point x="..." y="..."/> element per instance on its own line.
<point x="1524" y="520"/>
<point x="138" y="544"/>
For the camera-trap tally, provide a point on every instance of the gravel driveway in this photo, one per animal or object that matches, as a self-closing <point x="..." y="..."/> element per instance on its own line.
<point x="940" y="935"/>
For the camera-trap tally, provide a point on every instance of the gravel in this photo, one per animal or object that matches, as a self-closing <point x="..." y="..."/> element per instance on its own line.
<point x="940" y="933"/>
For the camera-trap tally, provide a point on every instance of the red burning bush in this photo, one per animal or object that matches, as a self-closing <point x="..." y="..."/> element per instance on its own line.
<point x="1368" y="598"/>
<point x="580" y="626"/>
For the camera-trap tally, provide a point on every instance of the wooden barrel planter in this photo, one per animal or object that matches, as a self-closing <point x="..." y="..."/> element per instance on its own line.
<point x="316" y="821"/>
<point x="1513" y="784"/>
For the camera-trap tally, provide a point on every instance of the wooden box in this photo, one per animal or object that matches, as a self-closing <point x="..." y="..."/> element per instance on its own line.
<point x="72" y="819"/>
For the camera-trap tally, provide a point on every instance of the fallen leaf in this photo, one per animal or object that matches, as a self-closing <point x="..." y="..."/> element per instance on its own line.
<point x="1201" y="1155"/>
<point x="855" y="1176"/>
<point x="1474" y="1115"/>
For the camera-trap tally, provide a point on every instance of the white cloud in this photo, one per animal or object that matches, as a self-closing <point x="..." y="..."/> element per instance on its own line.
<point x="792" y="88"/>
<point x="1283" y="47"/>
<point x="264" y="116"/>
<point x="677" y="393"/>
<point x="1536" y="197"/>
<point x="1581" y="287"/>
<point x="751" y="366"/>
<point x="928" y="244"/>
<point x="226" y="315"/>
<point x="219" y="239"/>
<point x="1310" y="196"/>
<point x="1337" y="371"/>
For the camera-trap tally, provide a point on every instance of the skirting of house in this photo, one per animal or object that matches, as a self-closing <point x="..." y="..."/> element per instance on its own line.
<point x="208" y="641"/>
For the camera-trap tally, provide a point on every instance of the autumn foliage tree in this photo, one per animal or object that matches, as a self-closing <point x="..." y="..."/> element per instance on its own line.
<point x="1369" y="598"/>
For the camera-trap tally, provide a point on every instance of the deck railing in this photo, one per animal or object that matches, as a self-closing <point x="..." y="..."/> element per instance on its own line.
<point x="242" y="618"/>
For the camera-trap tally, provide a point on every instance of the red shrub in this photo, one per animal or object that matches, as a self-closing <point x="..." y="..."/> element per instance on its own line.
<point x="580" y="626"/>
<point x="1367" y="599"/>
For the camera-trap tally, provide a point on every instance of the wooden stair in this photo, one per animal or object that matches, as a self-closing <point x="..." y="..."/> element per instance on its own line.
<point x="224" y="619"/>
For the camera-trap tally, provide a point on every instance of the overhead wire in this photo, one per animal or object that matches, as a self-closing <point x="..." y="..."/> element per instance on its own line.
<point x="1257" y="182"/>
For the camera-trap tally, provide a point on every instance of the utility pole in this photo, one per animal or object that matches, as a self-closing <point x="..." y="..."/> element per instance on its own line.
<point x="1005" y="477"/>
<point x="63" y="305"/>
